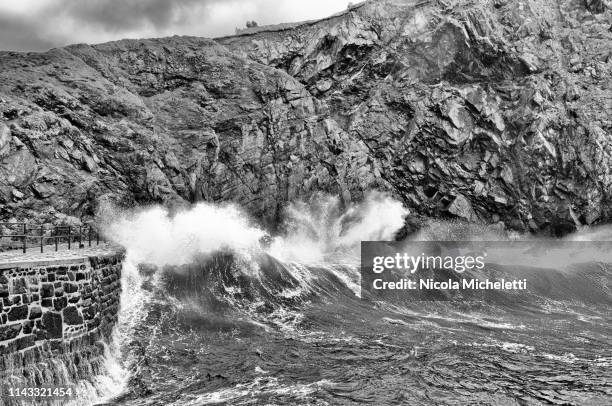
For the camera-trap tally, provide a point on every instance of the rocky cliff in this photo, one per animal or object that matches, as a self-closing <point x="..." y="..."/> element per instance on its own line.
<point x="487" y="111"/>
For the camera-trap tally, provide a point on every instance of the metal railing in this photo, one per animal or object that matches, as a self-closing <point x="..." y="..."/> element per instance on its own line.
<point x="25" y="235"/>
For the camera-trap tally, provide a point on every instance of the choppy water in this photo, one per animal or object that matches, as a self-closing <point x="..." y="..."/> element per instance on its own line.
<point x="217" y="334"/>
<point x="217" y="323"/>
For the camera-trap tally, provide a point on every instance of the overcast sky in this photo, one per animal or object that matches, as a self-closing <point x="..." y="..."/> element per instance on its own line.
<point x="37" y="25"/>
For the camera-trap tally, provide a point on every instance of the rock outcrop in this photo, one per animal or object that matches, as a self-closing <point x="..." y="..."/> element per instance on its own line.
<point x="488" y="111"/>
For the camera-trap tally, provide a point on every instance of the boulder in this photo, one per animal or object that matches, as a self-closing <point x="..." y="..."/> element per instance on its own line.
<point x="43" y="190"/>
<point x="462" y="208"/>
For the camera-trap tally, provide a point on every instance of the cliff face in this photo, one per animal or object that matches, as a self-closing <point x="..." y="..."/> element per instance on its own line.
<point x="172" y="121"/>
<point x="488" y="111"/>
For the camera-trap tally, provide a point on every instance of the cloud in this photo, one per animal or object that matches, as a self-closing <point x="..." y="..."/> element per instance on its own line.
<point x="122" y="15"/>
<point x="36" y="25"/>
<point x="22" y="34"/>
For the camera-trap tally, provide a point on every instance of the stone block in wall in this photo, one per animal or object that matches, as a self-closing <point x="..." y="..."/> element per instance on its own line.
<point x="40" y="334"/>
<point x="47" y="290"/>
<point x="52" y="323"/>
<point x="10" y="331"/>
<point x="35" y="312"/>
<point x="72" y="316"/>
<point x="27" y="326"/>
<point x="4" y="290"/>
<point x="93" y="323"/>
<point x="19" y="285"/>
<point x="47" y="302"/>
<point x="70" y="287"/>
<point x="90" y="312"/>
<point x="24" y="342"/>
<point x="18" y="313"/>
<point x="60" y="302"/>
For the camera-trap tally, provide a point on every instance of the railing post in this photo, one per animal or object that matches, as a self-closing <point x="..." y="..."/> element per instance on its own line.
<point x="55" y="232"/>
<point x="25" y="228"/>
<point x="81" y="236"/>
<point x="97" y="237"/>
<point x="42" y="236"/>
<point x="69" y="229"/>
<point x="89" y="234"/>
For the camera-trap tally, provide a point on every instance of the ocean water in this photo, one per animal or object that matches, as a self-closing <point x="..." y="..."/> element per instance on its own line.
<point x="223" y="314"/>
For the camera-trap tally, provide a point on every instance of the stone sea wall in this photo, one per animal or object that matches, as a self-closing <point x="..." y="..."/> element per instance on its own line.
<point x="52" y="311"/>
